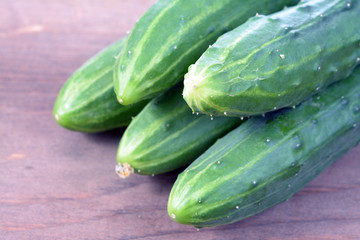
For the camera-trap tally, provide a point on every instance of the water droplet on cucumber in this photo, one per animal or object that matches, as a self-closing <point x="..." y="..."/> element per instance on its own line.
<point x="211" y="29"/>
<point x="297" y="143"/>
<point x="344" y="101"/>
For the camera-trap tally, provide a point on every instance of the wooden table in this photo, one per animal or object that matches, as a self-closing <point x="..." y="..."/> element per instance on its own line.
<point x="57" y="184"/>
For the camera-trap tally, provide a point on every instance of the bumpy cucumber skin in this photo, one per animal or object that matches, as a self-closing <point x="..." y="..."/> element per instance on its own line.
<point x="172" y="35"/>
<point x="275" y="61"/>
<point x="166" y="135"/>
<point x="87" y="102"/>
<point x="266" y="160"/>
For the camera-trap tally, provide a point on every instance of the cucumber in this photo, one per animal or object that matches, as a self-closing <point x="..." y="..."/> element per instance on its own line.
<point x="87" y="101"/>
<point x="275" y="61"/>
<point x="165" y="135"/>
<point x="172" y="35"/>
<point x="266" y="160"/>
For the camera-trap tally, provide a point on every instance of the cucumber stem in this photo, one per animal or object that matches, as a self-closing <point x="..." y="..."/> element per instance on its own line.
<point x="123" y="170"/>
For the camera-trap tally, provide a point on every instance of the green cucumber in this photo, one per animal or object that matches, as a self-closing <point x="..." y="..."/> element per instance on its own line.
<point x="165" y="135"/>
<point x="173" y="34"/>
<point x="275" y="61"/>
<point x="266" y="160"/>
<point x="87" y="101"/>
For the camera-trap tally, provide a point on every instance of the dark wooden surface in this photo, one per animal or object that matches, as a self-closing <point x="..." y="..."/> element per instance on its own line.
<point x="57" y="184"/>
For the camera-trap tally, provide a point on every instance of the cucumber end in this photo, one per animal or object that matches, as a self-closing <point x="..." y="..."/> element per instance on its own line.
<point x="181" y="209"/>
<point x="129" y="95"/>
<point x="180" y="214"/>
<point x="124" y="170"/>
<point x="63" y="119"/>
<point x="176" y="214"/>
<point x="194" y="94"/>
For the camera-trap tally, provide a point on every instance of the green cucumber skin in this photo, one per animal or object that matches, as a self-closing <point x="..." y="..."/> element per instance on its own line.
<point x="165" y="135"/>
<point x="265" y="161"/>
<point x="173" y="34"/>
<point x="87" y="101"/>
<point x="275" y="61"/>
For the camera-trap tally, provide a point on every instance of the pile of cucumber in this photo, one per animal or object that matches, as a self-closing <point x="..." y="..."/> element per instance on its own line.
<point x="259" y="97"/>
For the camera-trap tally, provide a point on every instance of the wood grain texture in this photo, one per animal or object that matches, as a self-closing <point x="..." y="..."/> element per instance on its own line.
<point x="57" y="184"/>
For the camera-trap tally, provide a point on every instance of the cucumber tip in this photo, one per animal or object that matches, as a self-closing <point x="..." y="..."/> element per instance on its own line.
<point x="124" y="170"/>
